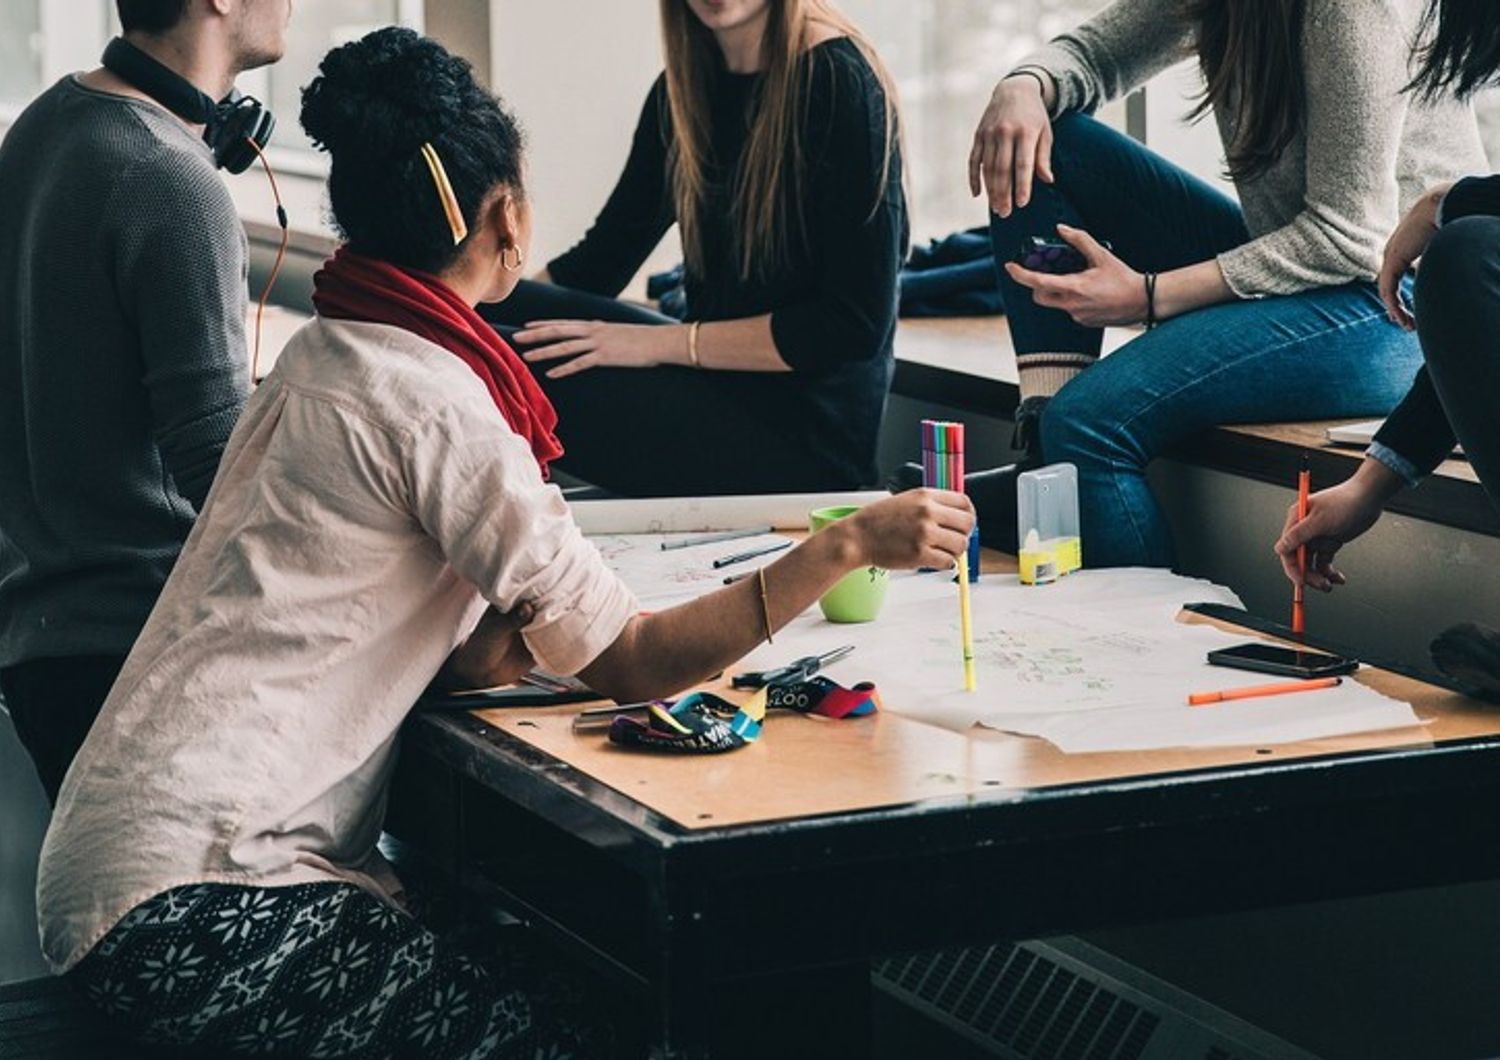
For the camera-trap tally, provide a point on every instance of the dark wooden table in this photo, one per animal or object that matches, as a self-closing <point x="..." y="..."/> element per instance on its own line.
<point x="747" y="929"/>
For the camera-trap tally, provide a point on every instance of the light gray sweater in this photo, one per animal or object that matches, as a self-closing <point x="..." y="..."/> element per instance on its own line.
<point x="122" y="363"/>
<point x="1322" y="214"/>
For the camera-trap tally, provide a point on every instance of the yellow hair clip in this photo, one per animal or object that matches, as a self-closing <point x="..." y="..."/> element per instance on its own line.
<point x="445" y="193"/>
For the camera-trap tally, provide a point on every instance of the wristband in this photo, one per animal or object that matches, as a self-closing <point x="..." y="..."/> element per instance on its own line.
<point x="1150" y="300"/>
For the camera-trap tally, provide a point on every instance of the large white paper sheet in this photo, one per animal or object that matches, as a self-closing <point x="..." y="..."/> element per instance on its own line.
<point x="661" y="578"/>
<point x="1096" y="662"/>
<point x="664" y="515"/>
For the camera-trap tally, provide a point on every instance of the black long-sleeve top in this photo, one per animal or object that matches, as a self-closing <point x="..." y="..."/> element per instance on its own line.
<point x="1418" y="430"/>
<point x="832" y="303"/>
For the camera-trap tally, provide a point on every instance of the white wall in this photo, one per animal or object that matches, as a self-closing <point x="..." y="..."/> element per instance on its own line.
<point x="576" y="73"/>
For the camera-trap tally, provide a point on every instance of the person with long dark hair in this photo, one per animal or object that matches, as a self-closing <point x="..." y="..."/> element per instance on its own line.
<point x="210" y="878"/>
<point x="772" y="140"/>
<point x="1264" y="309"/>
<point x="1453" y="231"/>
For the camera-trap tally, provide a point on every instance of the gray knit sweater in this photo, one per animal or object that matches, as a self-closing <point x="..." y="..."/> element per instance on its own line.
<point x="122" y="363"/>
<point x="1322" y="214"/>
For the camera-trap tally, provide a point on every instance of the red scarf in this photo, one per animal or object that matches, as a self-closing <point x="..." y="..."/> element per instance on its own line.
<point x="350" y="286"/>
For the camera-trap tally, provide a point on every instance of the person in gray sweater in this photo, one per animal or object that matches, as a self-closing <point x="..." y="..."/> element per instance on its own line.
<point x="122" y="357"/>
<point x="1454" y="232"/>
<point x="1260" y="310"/>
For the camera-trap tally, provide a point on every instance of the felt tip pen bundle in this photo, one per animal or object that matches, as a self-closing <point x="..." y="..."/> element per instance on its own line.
<point x="943" y="468"/>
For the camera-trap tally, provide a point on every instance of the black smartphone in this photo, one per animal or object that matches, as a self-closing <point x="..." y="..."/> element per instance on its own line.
<point x="1040" y="254"/>
<point x="1290" y="662"/>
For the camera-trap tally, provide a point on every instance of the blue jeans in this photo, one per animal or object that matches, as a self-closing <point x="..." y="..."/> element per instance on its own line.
<point x="1323" y="354"/>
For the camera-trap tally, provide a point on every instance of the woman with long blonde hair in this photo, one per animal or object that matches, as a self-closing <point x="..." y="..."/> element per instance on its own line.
<point x="772" y="140"/>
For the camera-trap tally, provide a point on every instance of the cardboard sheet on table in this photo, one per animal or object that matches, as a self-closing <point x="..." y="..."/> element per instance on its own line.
<point x="809" y="766"/>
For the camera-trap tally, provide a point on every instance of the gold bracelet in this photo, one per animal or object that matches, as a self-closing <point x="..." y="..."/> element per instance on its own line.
<point x="765" y="604"/>
<point x="693" y="343"/>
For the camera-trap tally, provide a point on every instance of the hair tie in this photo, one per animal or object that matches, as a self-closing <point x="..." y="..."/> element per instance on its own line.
<point x="445" y="194"/>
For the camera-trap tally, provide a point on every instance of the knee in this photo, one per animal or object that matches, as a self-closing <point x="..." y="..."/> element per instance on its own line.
<point x="1080" y="139"/>
<point x="1461" y="266"/>
<point x="1075" y="426"/>
<point x="1076" y="129"/>
<point x="1075" y="138"/>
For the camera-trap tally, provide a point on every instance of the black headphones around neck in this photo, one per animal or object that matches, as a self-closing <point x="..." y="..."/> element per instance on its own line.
<point x="233" y="128"/>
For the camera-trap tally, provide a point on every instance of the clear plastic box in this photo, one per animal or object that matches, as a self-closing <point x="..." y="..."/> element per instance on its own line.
<point x="1047" y="531"/>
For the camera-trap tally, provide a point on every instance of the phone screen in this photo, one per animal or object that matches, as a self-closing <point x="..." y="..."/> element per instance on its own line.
<point x="1272" y="658"/>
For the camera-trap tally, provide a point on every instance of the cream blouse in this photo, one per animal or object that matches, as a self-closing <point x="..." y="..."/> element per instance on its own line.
<point x="371" y="501"/>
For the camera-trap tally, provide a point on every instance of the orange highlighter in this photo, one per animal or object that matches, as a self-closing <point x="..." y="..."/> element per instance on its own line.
<point x="1304" y="488"/>
<point x="1204" y="699"/>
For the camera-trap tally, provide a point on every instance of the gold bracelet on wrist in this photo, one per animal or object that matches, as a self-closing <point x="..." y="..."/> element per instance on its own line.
<point x="765" y="604"/>
<point x="693" y="344"/>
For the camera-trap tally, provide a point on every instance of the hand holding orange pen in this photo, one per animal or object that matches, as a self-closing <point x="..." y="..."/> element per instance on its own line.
<point x="1304" y="490"/>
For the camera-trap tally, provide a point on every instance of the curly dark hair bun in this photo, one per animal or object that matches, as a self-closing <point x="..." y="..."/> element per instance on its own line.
<point x="373" y="104"/>
<point x="386" y="94"/>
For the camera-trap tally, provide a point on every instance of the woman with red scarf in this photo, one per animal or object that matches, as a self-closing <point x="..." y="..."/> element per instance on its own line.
<point x="210" y="878"/>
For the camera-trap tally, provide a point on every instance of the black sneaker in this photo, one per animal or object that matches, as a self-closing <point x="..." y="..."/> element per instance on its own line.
<point x="1027" y="438"/>
<point x="1470" y="654"/>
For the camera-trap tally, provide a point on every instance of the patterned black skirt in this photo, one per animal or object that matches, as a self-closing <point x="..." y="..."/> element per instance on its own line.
<point x="325" y="972"/>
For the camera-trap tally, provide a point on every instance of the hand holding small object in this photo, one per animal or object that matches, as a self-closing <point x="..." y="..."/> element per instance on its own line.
<point x="1335" y="516"/>
<point x="1108" y="292"/>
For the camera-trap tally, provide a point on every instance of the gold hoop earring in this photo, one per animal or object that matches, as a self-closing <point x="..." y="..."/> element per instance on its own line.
<point x="507" y="266"/>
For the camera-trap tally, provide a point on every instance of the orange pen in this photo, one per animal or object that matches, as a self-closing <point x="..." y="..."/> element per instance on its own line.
<point x="1304" y="487"/>
<point x="1204" y="699"/>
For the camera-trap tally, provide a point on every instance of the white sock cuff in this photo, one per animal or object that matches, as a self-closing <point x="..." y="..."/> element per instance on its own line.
<point x="1044" y="374"/>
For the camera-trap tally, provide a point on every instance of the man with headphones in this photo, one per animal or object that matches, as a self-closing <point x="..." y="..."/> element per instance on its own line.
<point x="123" y="364"/>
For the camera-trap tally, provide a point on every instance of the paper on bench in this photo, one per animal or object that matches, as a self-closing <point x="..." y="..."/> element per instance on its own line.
<point x="1096" y="662"/>
<point x="662" y="515"/>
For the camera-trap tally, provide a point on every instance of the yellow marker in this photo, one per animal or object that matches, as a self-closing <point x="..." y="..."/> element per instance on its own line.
<point x="965" y="620"/>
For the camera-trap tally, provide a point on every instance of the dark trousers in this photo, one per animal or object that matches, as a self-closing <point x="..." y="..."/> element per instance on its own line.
<point x="658" y="432"/>
<point x="1458" y="318"/>
<point x="53" y="703"/>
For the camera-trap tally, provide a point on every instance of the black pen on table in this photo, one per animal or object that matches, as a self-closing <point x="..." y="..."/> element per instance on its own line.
<point x="741" y="557"/>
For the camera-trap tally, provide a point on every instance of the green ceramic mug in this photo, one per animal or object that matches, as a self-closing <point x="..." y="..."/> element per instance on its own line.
<point x="858" y="595"/>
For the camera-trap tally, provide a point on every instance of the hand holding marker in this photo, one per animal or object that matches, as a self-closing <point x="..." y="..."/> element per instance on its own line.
<point x="943" y="467"/>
